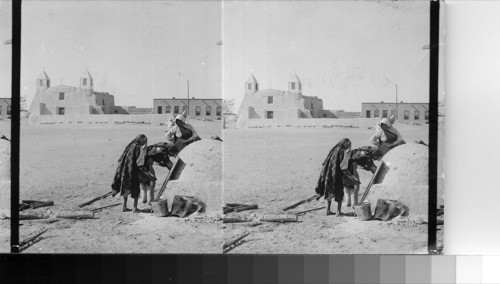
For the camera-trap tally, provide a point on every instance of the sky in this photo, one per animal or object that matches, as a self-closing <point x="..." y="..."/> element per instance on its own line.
<point x="5" y="50"/>
<point x="135" y="50"/>
<point x="345" y="52"/>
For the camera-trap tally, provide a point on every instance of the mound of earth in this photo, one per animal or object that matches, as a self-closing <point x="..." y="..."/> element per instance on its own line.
<point x="202" y="175"/>
<point x="406" y="180"/>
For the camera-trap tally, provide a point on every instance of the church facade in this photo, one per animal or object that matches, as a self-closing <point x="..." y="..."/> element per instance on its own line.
<point x="278" y="104"/>
<point x="69" y="100"/>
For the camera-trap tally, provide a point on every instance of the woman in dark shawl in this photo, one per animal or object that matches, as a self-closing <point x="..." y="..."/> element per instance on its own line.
<point x="127" y="177"/>
<point x="330" y="183"/>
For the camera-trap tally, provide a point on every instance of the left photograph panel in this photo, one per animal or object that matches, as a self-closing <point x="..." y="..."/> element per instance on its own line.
<point x="5" y="113"/>
<point x="120" y="131"/>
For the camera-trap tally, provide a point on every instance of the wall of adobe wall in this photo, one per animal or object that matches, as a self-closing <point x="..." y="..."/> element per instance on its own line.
<point x="363" y="123"/>
<point x="154" y="119"/>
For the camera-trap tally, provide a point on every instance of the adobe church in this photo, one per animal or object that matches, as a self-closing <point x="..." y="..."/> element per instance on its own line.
<point x="67" y="100"/>
<point x="276" y="104"/>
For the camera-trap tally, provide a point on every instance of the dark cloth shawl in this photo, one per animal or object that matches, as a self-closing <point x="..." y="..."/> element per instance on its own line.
<point x="126" y="179"/>
<point x="330" y="182"/>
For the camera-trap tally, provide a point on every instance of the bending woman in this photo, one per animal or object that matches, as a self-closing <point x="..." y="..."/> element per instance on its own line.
<point x="127" y="177"/>
<point x="330" y="183"/>
<point x="386" y="137"/>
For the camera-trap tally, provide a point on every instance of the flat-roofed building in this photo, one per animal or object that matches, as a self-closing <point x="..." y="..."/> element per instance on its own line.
<point x="403" y="112"/>
<point x="194" y="107"/>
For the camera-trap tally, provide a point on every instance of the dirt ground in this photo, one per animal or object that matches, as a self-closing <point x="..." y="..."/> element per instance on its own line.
<point x="71" y="164"/>
<point x="271" y="167"/>
<point x="276" y="167"/>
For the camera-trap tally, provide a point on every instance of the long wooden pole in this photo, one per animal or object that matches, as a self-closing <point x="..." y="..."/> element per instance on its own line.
<point x="300" y="202"/>
<point x="374" y="178"/>
<point x="95" y="199"/>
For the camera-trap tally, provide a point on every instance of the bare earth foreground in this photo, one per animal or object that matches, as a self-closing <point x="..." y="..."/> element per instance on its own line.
<point x="277" y="167"/>
<point x="71" y="164"/>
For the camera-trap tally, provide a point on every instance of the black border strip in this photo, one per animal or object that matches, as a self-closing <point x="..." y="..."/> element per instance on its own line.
<point x="433" y="123"/>
<point x="15" y="126"/>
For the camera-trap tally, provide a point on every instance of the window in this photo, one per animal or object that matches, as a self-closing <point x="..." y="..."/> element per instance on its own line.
<point x="368" y="114"/>
<point x="293" y="86"/>
<point x="84" y="82"/>
<point x="0" y="109"/>
<point x="416" y="115"/>
<point x="159" y="109"/>
<point x="269" y="100"/>
<point x="393" y="113"/>
<point x="249" y="86"/>
<point x="384" y="113"/>
<point x="269" y="114"/>
<point x="218" y="110"/>
<point x="256" y="87"/>
<point x="8" y="110"/>
<point x="184" y="109"/>
<point x="426" y="115"/>
<point x="116" y="111"/>
<point x="167" y="109"/>
<point x="176" y="109"/>
<point x="60" y="111"/>
<point x="325" y="115"/>
<point x="198" y="110"/>
<point x="312" y="106"/>
<point x="61" y="96"/>
<point x="406" y="115"/>
<point x="208" y="110"/>
<point x="377" y="112"/>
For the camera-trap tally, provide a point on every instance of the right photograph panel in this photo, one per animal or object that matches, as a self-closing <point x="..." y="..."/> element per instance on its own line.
<point x="326" y="111"/>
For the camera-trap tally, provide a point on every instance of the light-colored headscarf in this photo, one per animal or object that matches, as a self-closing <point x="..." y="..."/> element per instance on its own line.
<point x="180" y="117"/>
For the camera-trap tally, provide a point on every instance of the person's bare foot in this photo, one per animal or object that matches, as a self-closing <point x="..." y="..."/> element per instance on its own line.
<point x="340" y="214"/>
<point x="328" y="213"/>
<point x="125" y="209"/>
<point x="136" y="210"/>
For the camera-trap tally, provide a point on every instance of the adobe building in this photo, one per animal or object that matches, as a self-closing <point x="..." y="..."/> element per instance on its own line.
<point x="277" y="104"/>
<point x="5" y="108"/>
<point x="406" y="112"/>
<point x="195" y="108"/>
<point x="68" y="100"/>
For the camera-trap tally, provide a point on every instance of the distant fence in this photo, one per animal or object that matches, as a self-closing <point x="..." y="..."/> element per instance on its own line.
<point x="309" y="122"/>
<point x="154" y="119"/>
